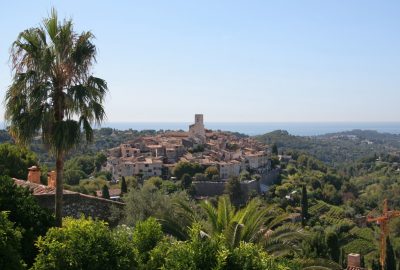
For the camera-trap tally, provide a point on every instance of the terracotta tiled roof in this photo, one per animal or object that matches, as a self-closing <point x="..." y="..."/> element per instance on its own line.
<point x="355" y="268"/>
<point x="38" y="189"/>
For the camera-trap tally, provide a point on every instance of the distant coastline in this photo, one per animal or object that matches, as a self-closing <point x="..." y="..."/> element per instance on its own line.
<point x="298" y="128"/>
<point x="294" y="128"/>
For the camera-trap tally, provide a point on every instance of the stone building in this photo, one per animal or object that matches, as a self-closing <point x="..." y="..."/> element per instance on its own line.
<point x="197" y="130"/>
<point x="74" y="203"/>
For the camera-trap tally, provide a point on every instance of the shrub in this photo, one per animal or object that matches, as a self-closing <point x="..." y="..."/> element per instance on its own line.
<point x="10" y="238"/>
<point x="15" y="160"/>
<point x="26" y="214"/>
<point x="85" y="244"/>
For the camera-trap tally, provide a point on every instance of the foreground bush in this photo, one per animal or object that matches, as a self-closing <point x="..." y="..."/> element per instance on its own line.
<point x="9" y="244"/>
<point x="85" y="244"/>
<point x="27" y="216"/>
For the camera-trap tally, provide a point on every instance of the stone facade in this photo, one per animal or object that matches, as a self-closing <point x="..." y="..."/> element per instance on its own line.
<point x="75" y="204"/>
<point x="197" y="130"/>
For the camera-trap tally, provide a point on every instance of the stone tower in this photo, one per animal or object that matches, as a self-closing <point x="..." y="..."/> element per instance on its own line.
<point x="198" y="119"/>
<point x="197" y="130"/>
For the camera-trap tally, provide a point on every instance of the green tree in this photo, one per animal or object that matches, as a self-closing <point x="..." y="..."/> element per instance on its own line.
<point x="274" y="149"/>
<point x="124" y="187"/>
<point x="10" y="247"/>
<point x="304" y="205"/>
<point x="211" y="171"/>
<point x="24" y="211"/>
<point x="332" y="243"/>
<point x="234" y="191"/>
<point x="146" y="236"/>
<point x="86" y="244"/>
<point x="15" y="160"/>
<point x="342" y="259"/>
<point x="183" y="167"/>
<point x="149" y="201"/>
<point x="72" y="177"/>
<point x="254" y="223"/>
<point x="53" y="91"/>
<point x="186" y="181"/>
<point x="390" y="260"/>
<point x="375" y="265"/>
<point x="105" y="193"/>
<point x="83" y="163"/>
<point x="199" y="252"/>
<point x="244" y="175"/>
<point x="99" y="160"/>
<point x="200" y="177"/>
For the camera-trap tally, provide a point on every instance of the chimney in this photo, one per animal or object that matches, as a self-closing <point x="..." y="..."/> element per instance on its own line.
<point x="353" y="260"/>
<point x="51" y="179"/>
<point x="34" y="175"/>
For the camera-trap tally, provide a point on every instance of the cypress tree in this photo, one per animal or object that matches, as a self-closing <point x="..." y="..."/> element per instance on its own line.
<point x="304" y="205"/>
<point x="390" y="261"/>
<point x="105" y="192"/>
<point x="274" y="149"/>
<point x="332" y="242"/>
<point x="375" y="265"/>
<point x="342" y="259"/>
<point x="362" y="263"/>
<point x="186" y="181"/>
<point x="124" y="187"/>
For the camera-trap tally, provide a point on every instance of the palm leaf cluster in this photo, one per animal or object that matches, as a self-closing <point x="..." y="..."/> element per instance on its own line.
<point x="53" y="90"/>
<point x="253" y="223"/>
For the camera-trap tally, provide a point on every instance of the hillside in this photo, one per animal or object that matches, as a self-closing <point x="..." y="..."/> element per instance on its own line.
<point x="336" y="148"/>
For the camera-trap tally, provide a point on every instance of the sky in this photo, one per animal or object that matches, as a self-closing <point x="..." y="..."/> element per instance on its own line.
<point x="233" y="61"/>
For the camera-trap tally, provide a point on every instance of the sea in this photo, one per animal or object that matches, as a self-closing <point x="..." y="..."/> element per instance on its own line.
<point x="258" y="128"/>
<point x="294" y="128"/>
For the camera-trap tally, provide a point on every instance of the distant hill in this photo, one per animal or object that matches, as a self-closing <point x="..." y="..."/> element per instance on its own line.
<point x="336" y="148"/>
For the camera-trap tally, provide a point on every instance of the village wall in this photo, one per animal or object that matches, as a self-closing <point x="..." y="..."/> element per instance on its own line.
<point x="208" y="188"/>
<point x="77" y="204"/>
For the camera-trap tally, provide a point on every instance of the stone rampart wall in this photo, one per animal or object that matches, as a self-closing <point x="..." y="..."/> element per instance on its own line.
<point x="78" y="204"/>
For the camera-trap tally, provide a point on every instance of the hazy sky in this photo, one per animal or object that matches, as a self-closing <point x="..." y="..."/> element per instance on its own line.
<point x="236" y="61"/>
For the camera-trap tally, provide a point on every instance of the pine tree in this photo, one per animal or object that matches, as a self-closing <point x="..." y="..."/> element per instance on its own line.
<point x="124" y="188"/>
<point x="390" y="261"/>
<point x="105" y="192"/>
<point x="304" y="205"/>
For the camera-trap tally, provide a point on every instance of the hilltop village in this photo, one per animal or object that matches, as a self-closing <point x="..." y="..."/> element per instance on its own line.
<point x="157" y="155"/>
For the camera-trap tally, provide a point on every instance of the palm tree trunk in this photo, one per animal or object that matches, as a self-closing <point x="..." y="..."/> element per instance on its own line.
<point x="59" y="188"/>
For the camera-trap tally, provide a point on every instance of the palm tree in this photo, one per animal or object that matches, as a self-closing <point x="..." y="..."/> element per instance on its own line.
<point x="53" y="91"/>
<point x="253" y="223"/>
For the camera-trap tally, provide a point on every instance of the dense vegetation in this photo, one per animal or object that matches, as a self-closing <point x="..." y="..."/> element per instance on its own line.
<point x="335" y="148"/>
<point x="311" y="216"/>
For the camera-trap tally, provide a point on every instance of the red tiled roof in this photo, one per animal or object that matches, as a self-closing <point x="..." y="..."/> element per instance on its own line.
<point x="39" y="189"/>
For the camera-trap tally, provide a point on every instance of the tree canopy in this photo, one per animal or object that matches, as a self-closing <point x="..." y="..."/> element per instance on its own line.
<point x="53" y="90"/>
